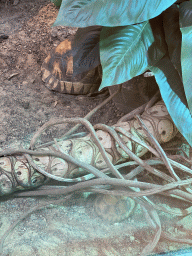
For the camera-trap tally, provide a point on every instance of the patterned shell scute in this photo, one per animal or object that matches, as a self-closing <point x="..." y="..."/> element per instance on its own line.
<point x="22" y="173"/>
<point x="59" y="167"/>
<point x="158" y="116"/>
<point x="6" y="185"/>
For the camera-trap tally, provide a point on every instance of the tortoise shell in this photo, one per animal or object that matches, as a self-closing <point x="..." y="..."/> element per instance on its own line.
<point x="58" y="68"/>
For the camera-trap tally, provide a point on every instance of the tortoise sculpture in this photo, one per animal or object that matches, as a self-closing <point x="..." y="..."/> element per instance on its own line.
<point x="68" y="160"/>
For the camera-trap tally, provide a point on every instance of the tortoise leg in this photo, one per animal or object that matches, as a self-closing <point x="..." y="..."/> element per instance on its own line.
<point x="23" y="172"/>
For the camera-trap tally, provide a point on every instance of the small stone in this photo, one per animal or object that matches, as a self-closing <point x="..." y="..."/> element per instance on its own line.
<point x="24" y="83"/>
<point x="132" y="238"/>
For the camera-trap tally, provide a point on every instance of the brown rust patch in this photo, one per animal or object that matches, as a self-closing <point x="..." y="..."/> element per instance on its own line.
<point x="69" y="71"/>
<point x="62" y="84"/>
<point x="63" y="47"/>
<point x="78" y="87"/>
<point x="55" y="84"/>
<point x="57" y="70"/>
<point x="46" y="73"/>
<point x="51" y="80"/>
<point x="47" y="59"/>
<point x="68" y="86"/>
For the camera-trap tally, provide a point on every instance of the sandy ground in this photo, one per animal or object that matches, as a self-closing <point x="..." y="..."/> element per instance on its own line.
<point x="71" y="228"/>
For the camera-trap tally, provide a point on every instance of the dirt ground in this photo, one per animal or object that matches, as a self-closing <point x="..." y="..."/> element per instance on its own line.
<point x="72" y="228"/>
<point x="26" y="103"/>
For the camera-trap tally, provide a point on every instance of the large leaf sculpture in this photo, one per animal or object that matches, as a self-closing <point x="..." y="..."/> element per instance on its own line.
<point x="128" y="51"/>
<point x="109" y="13"/>
<point x="186" y="49"/>
<point x="123" y="52"/>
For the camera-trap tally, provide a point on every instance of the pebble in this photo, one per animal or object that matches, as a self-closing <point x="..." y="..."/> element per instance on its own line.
<point x="24" y="83"/>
